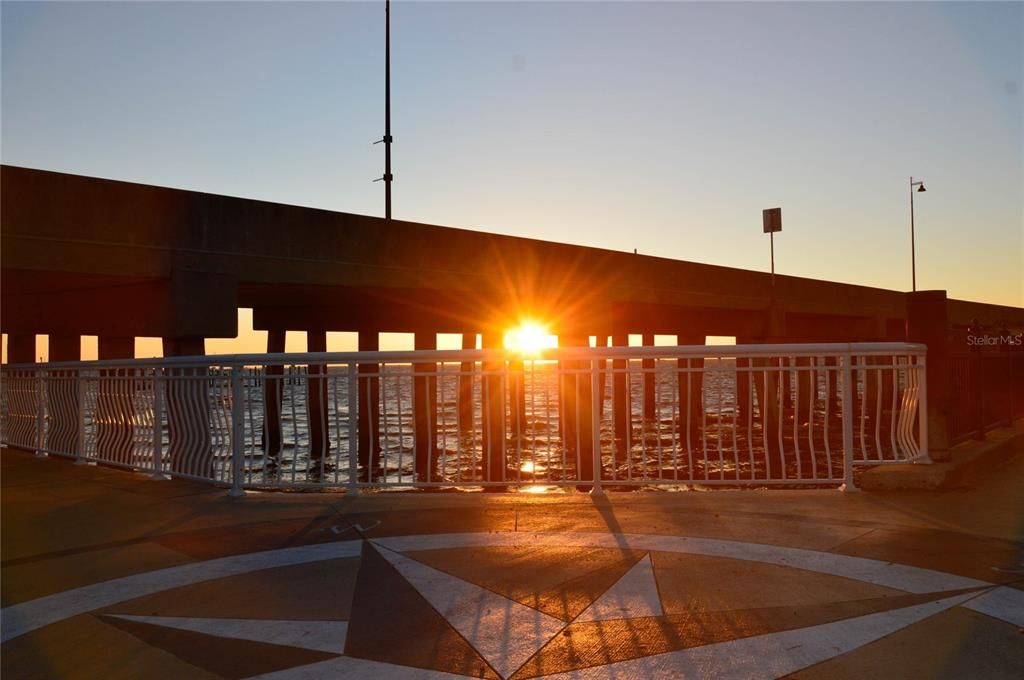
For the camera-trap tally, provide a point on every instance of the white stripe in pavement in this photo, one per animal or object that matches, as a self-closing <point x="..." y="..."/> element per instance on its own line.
<point x="18" y="619"/>
<point x="633" y="596"/>
<point x="350" y="668"/>
<point x="1005" y="604"/>
<point x="25" y="617"/>
<point x="767" y="656"/>
<point x="321" y="636"/>
<point x="504" y="632"/>
<point x="878" y="572"/>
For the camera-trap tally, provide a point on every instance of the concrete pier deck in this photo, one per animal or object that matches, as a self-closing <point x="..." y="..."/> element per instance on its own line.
<point x="106" y="573"/>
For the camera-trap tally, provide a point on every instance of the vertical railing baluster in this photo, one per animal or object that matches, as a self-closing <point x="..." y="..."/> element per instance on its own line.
<point x="812" y="401"/>
<point x="848" y="485"/>
<point x="353" y="425"/>
<point x="828" y="409"/>
<point x="158" y="430"/>
<point x="765" y="427"/>
<point x="595" y="419"/>
<point x="80" y="458"/>
<point x="795" y="365"/>
<point x="896" y="409"/>
<point x="780" y="392"/>
<point x="689" y="413"/>
<point x="237" y="432"/>
<point x="750" y="415"/>
<point x="40" y="415"/>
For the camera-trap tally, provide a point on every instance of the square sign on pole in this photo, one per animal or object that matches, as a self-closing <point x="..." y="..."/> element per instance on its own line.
<point x="772" y="218"/>
<point x="772" y="221"/>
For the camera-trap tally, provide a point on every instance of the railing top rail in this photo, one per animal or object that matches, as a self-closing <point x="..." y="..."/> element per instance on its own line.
<point x="496" y="355"/>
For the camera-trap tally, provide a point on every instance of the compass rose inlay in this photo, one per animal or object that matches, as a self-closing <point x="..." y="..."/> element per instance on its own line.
<point x="517" y="606"/>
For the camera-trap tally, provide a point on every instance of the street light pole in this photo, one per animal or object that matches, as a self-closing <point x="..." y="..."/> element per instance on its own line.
<point x="387" y="112"/>
<point x="913" y="255"/>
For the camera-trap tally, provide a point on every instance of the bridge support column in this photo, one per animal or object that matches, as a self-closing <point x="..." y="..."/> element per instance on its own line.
<point x="119" y="348"/>
<point x="752" y="382"/>
<point x="66" y="347"/>
<point x="578" y="396"/>
<point x="273" y="395"/>
<point x="517" y="397"/>
<point x="602" y="365"/>
<point x="114" y="403"/>
<point x="744" y="389"/>
<point x="804" y="398"/>
<point x="786" y="383"/>
<point x="494" y="459"/>
<point x="769" y="390"/>
<point x="767" y="385"/>
<point x="888" y="403"/>
<point x="466" y="390"/>
<point x="865" y="402"/>
<point x="834" y="378"/>
<point x="691" y="391"/>
<point x="648" y="366"/>
<point x="928" y="323"/>
<point x="567" y="421"/>
<point x="620" y="399"/>
<point x="317" y="401"/>
<point x="369" y="408"/>
<point x="188" y="410"/>
<point x="23" y="422"/>
<point x="62" y="397"/>
<point x="21" y="348"/>
<point x="878" y="403"/>
<point x="425" y="410"/>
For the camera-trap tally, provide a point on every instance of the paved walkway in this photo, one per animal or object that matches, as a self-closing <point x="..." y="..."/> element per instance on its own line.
<point x="108" y="574"/>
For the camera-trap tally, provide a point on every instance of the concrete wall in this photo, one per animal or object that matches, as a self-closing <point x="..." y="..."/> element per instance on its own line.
<point x="91" y="256"/>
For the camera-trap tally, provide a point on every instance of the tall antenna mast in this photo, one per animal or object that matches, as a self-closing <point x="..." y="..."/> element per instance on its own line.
<point x="387" y="111"/>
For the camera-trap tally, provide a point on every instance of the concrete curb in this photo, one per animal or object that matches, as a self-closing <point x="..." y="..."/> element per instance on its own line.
<point x="967" y="459"/>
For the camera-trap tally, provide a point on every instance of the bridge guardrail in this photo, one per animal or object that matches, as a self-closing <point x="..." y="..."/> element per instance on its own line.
<point x="744" y="415"/>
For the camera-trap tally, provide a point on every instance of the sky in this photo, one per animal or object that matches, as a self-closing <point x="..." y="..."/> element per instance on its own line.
<point x="665" y="127"/>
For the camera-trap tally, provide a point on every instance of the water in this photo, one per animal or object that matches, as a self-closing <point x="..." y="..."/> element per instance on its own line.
<point x="666" y="440"/>
<point x="536" y="449"/>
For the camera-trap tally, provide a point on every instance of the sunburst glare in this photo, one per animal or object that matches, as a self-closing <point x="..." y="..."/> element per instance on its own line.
<point x="529" y="338"/>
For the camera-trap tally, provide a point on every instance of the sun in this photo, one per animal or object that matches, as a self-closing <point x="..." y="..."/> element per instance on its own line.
<point x="529" y="338"/>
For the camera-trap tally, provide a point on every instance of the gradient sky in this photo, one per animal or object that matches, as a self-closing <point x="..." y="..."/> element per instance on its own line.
<point x="665" y="127"/>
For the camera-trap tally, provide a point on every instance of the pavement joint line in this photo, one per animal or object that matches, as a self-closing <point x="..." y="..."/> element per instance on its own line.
<point x="935" y="522"/>
<point x="840" y="545"/>
<point x="40" y="557"/>
<point x="147" y="538"/>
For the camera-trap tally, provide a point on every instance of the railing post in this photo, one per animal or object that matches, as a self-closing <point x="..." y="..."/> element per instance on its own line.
<point x="237" y="431"/>
<point x="80" y="458"/>
<point x="848" y="389"/>
<point x="40" y="415"/>
<point x="596" y="402"/>
<point x="158" y="426"/>
<point x="922" y="411"/>
<point x="353" y="430"/>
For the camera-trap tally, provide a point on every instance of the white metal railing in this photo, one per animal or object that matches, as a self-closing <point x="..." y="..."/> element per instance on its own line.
<point x="745" y="415"/>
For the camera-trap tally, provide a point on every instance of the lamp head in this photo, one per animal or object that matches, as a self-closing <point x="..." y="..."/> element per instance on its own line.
<point x="921" y="188"/>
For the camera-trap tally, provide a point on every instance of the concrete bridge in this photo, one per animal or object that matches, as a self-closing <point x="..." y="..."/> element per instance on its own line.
<point x="88" y="256"/>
